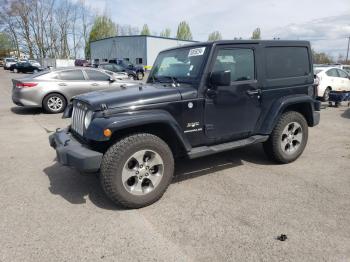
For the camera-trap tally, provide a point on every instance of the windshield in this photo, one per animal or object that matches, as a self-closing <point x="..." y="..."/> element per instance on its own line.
<point x="10" y="60"/>
<point x="181" y="65"/>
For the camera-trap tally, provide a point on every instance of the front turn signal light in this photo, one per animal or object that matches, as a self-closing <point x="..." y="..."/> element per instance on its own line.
<point x="107" y="132"/>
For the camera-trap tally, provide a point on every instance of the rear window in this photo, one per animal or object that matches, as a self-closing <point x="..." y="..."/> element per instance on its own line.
<point x="96" y="75"/>
<point x="284" y="62"/>
<point x="72" y="75"/>
<point x="332" y="72"/>
<point x="316" y="71"/>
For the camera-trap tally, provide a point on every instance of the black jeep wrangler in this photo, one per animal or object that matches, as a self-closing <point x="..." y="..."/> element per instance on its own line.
<point x="199" y="100"/>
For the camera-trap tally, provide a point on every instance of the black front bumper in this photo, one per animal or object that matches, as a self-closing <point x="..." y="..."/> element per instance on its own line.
<point x="70" y="152"/>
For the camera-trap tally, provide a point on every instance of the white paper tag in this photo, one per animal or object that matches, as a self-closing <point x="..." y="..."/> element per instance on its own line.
<point x="196" y="51"/>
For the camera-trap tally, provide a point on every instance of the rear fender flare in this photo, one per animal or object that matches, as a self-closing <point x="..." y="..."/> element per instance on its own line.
<point x="279" y="106"/>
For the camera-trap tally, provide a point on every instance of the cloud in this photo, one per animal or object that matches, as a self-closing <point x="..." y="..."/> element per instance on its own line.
<point x="327" y="34"/>
<point x="301" y="19"/>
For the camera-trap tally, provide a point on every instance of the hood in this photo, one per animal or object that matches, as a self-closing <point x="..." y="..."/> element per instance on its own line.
<point x="136" y="95"/>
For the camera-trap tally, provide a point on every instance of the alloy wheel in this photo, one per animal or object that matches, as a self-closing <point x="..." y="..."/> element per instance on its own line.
<point x="142" y="172"/>
<point x="55" y="103"/>
<point x="292" y="137"/>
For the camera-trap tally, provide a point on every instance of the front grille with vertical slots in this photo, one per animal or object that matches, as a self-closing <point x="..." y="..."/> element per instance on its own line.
<point x="78" y="115"/>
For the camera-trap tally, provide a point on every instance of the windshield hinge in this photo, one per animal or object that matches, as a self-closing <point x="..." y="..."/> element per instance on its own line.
<point x="104" y="107"/>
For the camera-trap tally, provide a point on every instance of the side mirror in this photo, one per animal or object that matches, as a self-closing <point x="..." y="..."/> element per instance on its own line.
<point x="112" y="79"/>
<point x="221" y="78"/>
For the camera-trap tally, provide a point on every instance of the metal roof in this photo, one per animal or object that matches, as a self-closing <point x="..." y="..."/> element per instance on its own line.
<point x="152" y="36"/>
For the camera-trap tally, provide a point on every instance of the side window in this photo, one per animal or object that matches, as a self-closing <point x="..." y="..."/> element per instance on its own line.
<point x="332" y="72"/>
<point x="342" y="74"/>
<point x="284" y="62"/>
<point x="108" y="67"/>
<point x="139" y="61"/>
<point x="96" y="75"/>
<point x="240" y="62"/>
<point x="118" y="68"/>
<point x="72" y="75"/>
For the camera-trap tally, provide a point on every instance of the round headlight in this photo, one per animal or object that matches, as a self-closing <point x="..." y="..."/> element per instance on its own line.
<point x="87" y="119"/>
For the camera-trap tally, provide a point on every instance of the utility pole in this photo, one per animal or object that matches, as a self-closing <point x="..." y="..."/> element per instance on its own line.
<point x="347" y="52"/>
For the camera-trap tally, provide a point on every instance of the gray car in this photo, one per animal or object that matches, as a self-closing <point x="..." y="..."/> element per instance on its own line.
<point x="52" y="90"/>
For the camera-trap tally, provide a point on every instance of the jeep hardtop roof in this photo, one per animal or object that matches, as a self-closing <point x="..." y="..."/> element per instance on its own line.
<point x="281" y="43"/>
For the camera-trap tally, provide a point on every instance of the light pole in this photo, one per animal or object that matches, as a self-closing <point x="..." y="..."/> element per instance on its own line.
<point x="347" y="52"/>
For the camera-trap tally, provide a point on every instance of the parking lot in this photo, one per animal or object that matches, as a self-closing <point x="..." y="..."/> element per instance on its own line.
<point x="226" y="207"/>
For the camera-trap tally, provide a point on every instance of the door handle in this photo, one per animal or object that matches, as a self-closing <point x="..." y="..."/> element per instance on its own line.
<point x="94" y="84"/>
<point x="62" y="84"/>
<point x="253" y="92"/>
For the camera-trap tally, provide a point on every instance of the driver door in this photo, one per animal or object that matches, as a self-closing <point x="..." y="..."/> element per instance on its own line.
<point x="231" y="112"/>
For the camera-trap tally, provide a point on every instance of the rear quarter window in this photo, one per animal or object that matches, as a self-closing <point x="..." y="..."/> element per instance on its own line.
<point x="285" y="62"/>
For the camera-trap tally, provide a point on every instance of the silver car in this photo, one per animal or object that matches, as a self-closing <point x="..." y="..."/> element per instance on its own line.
<point x="52" y="90"/>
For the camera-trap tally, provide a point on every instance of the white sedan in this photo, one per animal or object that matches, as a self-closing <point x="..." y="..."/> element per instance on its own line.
<point x="331" y="79"/>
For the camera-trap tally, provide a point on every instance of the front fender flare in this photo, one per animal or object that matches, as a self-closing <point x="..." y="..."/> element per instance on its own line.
<point x="125" y="120"/>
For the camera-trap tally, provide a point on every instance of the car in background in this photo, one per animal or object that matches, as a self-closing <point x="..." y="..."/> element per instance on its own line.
<point x="8" y="62"/>
<point x="118" y="69"/>
<point x="138" y="70"/>
<point x="34" y="63"/>
<point x="25" y="67"/>
<point x="345" y="68"/>
<point x="82" y="62"/>
<point x="331" y="79"/>
<point x="52" y="90"/>
<point x="116" y="75"/>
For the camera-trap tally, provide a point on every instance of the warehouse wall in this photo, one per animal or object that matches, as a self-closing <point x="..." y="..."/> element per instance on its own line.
<point x="132" y="47"/>
<point x="119" y="47"/>
<point x="155" y="45"/>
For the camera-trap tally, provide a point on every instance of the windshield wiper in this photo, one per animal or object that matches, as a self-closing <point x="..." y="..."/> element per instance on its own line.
<point x="174" y="80"/>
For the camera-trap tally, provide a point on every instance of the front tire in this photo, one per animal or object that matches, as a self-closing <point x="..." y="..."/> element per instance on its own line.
<point x="137" y="170"/>
<point x="288" y="139"/>
<point x="54" y="103"/>
<point x="139" y="76"/>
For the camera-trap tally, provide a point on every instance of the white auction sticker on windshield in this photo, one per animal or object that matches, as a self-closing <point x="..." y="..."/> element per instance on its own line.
<point x="196" y="51"/>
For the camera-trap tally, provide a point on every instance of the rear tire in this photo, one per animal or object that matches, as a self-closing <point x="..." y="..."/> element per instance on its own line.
<point x="54" y="103"/>
<point x="137" y="170"/>
<point x="288" y="139"/>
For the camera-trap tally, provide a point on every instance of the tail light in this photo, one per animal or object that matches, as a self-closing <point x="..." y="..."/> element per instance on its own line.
<point x="316" y="84"/>
<point x="25" y="85"/>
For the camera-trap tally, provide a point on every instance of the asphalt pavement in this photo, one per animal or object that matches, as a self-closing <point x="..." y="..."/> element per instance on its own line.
<point x="227" y="207"/>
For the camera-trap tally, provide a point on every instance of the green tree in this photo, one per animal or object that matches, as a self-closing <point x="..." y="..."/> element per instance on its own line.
<point x="165" y="33"/>
<point x="5" y="44"/>
<point x="145" y="30"/>
<point x="256" y="34"/>
<point x="216" y="35"/>
<point x="184" y="31"/>
<point x="102" y="27"/>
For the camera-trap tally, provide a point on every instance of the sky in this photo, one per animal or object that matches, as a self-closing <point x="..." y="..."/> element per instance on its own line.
<point x="325" y="23"/>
